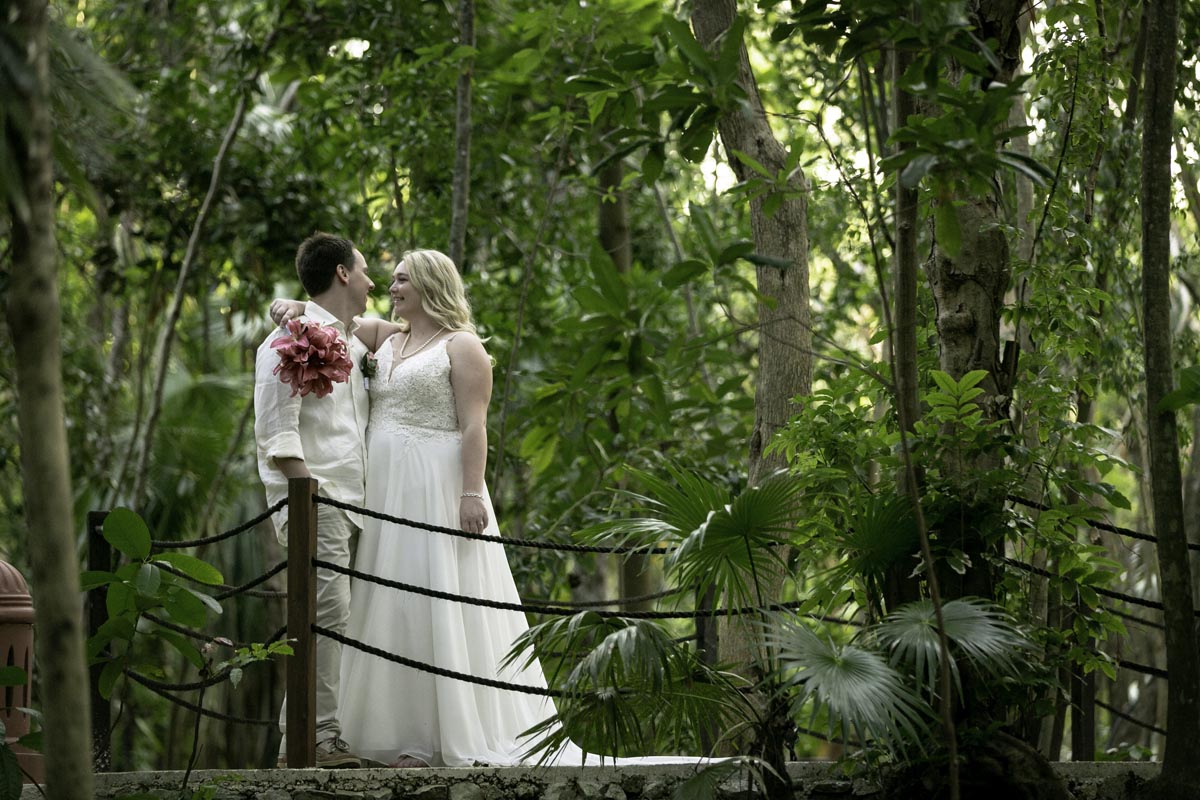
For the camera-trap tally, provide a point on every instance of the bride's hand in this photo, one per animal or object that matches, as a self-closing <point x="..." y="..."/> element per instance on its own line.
<point x="283" y="310"/>
<point x="472" y="514"/>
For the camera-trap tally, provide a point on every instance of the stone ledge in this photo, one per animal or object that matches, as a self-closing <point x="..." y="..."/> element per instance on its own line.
<point x="814" y="781"/>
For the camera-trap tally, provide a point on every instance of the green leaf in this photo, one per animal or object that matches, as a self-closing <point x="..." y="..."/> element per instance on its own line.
<point x="10" y="774"/>
<point x="752" y="164"/>
<point x="108" y="677"/>
<point x="684" y="272"/>
<point x="195" y="568"/>
<point x="13" y="676"/>
<point x="692" y="51"/>
<point x="917" y="169"/>
<point x="652" y="163"/>
<point x="127" y="532"/>
<point x="92" y="579"/>
<point x="120" y="599"/>
<point x="185" y="608"/>
<point x="208" y="600"/>
<point x="181" y="644"/>
<point x="149" y="579"/>
<point x="1187" y="394"/>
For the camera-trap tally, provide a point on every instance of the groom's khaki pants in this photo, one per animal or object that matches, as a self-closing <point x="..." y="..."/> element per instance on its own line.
<point x="336" y="538"/>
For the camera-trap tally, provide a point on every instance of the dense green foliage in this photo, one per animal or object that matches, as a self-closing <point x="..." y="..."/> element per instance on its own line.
<point x="601" y="373"/>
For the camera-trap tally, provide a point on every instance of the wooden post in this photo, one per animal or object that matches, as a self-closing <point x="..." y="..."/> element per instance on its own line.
<point x="1083" y="713"/>
<point x="99" y="559"/>
<point x="302" y="612"/>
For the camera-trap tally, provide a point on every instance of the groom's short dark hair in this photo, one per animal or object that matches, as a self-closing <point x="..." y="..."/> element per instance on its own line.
<point x="317" y="260"/>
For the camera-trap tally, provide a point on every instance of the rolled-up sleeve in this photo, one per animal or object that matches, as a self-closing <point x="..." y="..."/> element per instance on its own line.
<point x="276" y="411"/>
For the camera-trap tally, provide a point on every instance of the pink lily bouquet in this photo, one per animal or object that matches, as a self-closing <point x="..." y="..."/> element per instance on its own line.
<point x="312" y="359"/>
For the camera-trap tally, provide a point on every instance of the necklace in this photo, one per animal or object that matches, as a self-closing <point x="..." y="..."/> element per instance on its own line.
<point x="408" y="335"/>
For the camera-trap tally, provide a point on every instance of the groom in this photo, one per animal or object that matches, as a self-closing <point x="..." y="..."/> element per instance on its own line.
<point x="322" y="438"/>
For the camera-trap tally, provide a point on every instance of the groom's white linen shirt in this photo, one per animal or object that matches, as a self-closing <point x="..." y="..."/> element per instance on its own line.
<point x="329" y="432"/>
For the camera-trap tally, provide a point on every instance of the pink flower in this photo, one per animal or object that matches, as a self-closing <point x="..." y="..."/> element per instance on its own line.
<point x="312" y="359"/>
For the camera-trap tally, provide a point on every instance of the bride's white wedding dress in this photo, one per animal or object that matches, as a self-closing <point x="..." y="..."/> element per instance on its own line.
<point x="415" y="471"/>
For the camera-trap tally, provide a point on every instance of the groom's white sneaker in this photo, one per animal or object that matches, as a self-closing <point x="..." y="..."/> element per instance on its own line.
<point x="334" y="753"/>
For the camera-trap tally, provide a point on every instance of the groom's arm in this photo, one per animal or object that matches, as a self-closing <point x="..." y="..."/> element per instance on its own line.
<point x="277" y="417"/>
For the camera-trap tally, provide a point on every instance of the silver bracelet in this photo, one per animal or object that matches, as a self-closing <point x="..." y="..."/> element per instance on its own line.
<point x="471" y="494"/>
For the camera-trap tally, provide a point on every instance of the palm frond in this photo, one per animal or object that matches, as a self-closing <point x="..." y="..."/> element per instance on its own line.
<point x="978" y="630"/>
<point x="672" y="509"/>
<point x="856" y="687"/>
<point x="738" y="542"/>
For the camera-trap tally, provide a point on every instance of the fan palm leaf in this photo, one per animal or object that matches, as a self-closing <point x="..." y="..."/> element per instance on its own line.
<point x="855" y="687"/>
<point x="736" y="542"/>
<point x="632" y="688"/>
<point x="977" y="630"/>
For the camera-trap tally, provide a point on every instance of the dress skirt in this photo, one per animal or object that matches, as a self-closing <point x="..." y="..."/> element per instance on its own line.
<point x="388" y="710"/>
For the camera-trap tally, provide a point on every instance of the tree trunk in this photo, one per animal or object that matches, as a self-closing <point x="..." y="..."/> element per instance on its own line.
<point x="785" y="336"/>
<point x="34" y="325"/>
<point x="901" y="586"/>
<point x="637" y="576"/>
<point x="968" y="291"/>
<point x="1180" y="761"/>
<point x="461" y="183"/>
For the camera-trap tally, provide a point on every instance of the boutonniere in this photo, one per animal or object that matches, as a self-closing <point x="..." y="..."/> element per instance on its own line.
<point x="312" y="358"/>
<point x="369" y="366"/>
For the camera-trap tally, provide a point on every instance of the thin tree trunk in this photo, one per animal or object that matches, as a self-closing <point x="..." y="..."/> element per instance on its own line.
<point x="901" y="586"/>
<point x="34" y="321"/>
<point x="637" y="575"/>
<point x="785" y="338"/>
<point x="162" y="351"/>
<point x="1180" y="761"/>
<point x="461" y="184"/>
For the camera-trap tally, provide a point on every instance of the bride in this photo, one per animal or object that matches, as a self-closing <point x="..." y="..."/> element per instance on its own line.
<point x="426" y="454"/>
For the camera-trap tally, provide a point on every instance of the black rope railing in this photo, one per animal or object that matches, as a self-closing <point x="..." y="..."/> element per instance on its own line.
<point x="535" y="544"/>
<point x="196" y="709"/>
<point x="1095" y="523"/>
<point x="556" y="610"/>
<point x="246" y="588"/>
<point x="434" y="670"/>
<point x="620" y="601"/>
<point x="1135" y="618"/>
<point x="1142" y="668"/>
<point x="1125" y="598"/>
<point x="1116" y="712"/>
<point x="223" y="641"/>
<point x="160" y="544"/>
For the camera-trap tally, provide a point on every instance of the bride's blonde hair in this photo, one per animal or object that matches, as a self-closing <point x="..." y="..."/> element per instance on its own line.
<point x="443" y="295"/>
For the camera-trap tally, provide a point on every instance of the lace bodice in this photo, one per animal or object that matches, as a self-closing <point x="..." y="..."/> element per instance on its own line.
<point x="416" y="394"/>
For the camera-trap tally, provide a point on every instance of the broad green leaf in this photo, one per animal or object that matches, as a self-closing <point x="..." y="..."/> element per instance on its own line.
<point x="917" y="169"/>
<point x="750" y="162"/>
<point x="13" y="676"/>
<point x="120" y="599"/>
<point x="208" y="600"/>
<point x="652" y="163"/>
<point x="108" y="677"/>
<point x="195" y="568"/>
<point x="684" y="272"/>
<point x="92" y="579"/>
<point x="181" y="644"/>
<point x="127" y="532"/>
<point x="1187" y="394"/>
<point x="185" y="608"/>
<point x="148" y="580"/>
